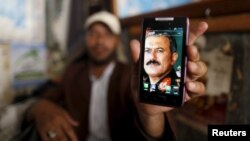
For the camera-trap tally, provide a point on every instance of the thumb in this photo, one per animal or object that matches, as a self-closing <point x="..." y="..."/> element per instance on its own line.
<point x="135" y="53"/>
<point x="70" y="119"/>
<point x="135" y="50"/>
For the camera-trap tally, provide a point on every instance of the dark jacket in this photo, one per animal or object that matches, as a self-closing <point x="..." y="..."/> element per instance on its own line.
<point x="74" y="94"/>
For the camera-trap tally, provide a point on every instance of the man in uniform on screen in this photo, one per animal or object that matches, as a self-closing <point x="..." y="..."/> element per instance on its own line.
<point x="159" y="58"/>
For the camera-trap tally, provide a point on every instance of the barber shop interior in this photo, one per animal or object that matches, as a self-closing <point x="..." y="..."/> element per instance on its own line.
<point x="124" y="70"/>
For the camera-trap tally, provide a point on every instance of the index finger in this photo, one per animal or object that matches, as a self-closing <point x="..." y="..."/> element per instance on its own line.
<point x="197" y="31"/>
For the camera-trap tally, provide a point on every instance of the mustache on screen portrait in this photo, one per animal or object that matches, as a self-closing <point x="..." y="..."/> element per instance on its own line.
<point x="153" y="62"/>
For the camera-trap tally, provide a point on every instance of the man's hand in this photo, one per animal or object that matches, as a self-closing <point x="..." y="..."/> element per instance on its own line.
<point x="152" y="116"/>
<point x="52" y="118"/>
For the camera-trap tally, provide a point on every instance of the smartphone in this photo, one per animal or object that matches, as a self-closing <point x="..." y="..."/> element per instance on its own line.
<point x="162" y="70"/>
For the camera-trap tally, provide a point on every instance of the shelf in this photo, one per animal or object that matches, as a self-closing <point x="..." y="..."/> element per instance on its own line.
<point x="230" y="23"/>
<point x="196" y="10"/>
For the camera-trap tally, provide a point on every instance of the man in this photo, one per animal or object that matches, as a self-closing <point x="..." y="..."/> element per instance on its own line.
<point x="95" y="101"/>
<point x="160" y="56"/>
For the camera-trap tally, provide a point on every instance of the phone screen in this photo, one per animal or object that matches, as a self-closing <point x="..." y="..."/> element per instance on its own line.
<point x="163" y="61"/>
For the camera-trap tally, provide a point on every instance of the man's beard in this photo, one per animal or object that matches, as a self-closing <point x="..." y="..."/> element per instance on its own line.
<point x="104" y="61"/>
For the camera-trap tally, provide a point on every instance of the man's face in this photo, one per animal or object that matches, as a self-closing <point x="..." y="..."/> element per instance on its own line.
<point x="158" y="58"/>
<point x="101" y="43"/>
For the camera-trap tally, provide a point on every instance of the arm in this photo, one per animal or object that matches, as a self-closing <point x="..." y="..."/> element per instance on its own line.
<point x="49" y="116"/>
<point x="151" y="116"/>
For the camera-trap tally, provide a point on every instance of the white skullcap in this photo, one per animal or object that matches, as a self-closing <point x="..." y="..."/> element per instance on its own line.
<point x="107" y="18"/>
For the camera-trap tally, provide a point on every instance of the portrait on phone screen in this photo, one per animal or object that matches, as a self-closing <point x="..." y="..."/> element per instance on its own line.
<point x="162" y="60"/>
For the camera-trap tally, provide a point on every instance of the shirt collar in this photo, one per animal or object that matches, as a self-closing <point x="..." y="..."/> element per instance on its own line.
<point x="107" y="72"/>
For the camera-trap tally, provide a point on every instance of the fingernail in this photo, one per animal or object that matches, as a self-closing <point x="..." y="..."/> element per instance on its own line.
<point x="194" y="49"/>
<point x="191" y="85"/>
<point x="76" y="124"/>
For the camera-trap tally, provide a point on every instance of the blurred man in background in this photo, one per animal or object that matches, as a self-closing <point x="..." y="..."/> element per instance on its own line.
<point x="95" y="100"/>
